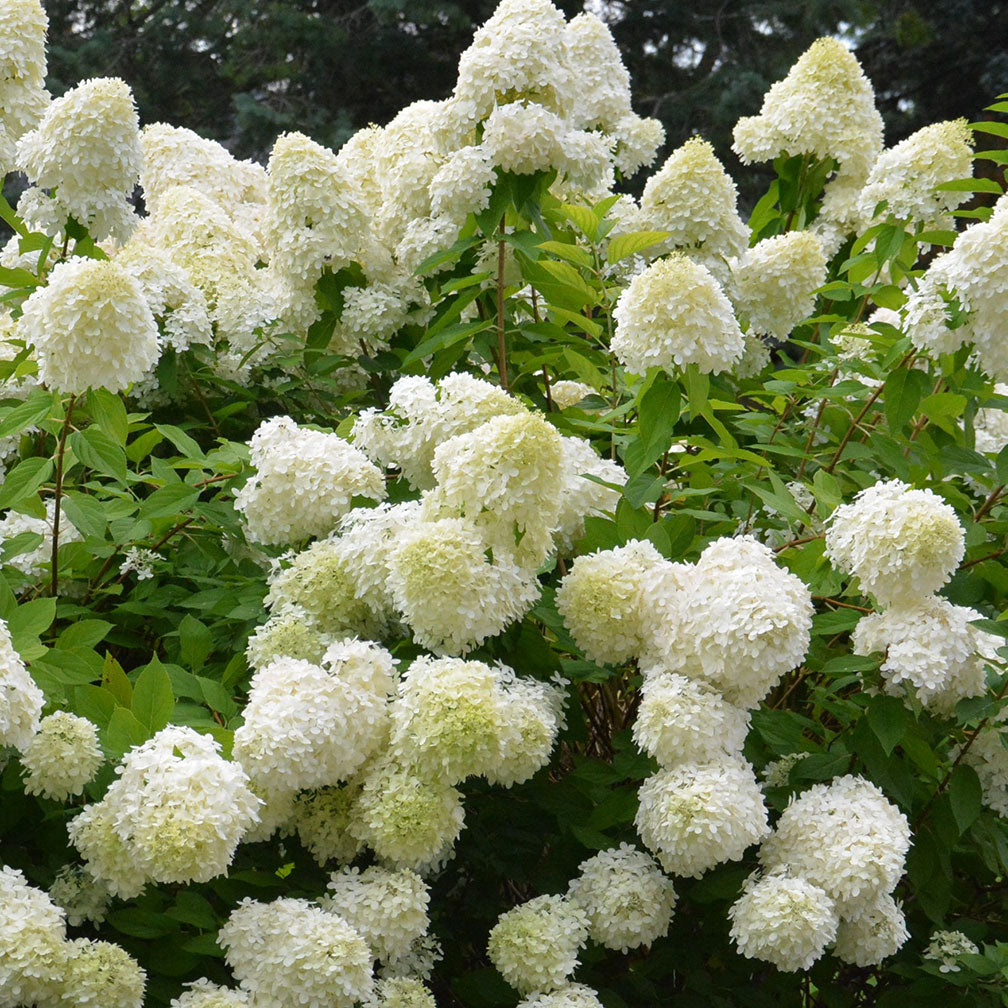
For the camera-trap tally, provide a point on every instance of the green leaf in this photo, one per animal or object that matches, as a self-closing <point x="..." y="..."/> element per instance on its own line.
<point x="970" y="185"/>
<point x="34" y="409"/>
<point x="571" y="253"/>
<point x="901" y="394"/>
<point x="659" y="413"/>
<point x="109" y="413"/>
<point x="153" y="698"/>
<point x="965" y="796"/>
<point x="124" y="732"/>
<point x="115" y="680"/>
<point x="447" y="338"/>
<point x="889" y="720"/>
<point x="169" y="501"/>
<point x="583" y="218"/>
<point x="9" y="217"/>
<point x="99" y="452"/>
<point x="195" y="641"/>
<point x="623" y="245"/>
<point x="23" y="480"/>
<point x="84" y="633"/>
<point x="181" y="440"/>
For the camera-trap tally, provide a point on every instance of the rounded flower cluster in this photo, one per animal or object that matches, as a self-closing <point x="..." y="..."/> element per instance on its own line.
<point x="23" y="97"/>
<point x="204" y="994"/>
<point x="310" y="726"/>
<point x="931" y="650"/>
<point x="674" y="314"/>
<point x="532" y="717"/>
<point x="874" y="933"/>
<point x="629" y="902"/>
<point x="62" y="756"/>
<point x="87" y="149"/>
<point x="694" y="199"/>
<point x="91" y="327"/>
<point x="304" y="482"/>
<point x="989" y="757"/>
<point x="387" y="907"/>
<point x="990" y="425"/>
<point x="98" y="973"/>
<point x="178" y="807"/>
<point x="32" y="934"/>
<point x="524" y="138"/>
<point x="462" y="185"/>
<point x="80" y="894"/>
<point x="783" y="920"/>
<point x="288" y="633"/>
<point x="905" y="176"/>
<point x="946" y="947"/>
<point x="773" y="283"/>
<point x="824" y="107"/>
<point x="739" y="621"/>
<point x="405" y="819"/>
<point x="695" y="816"/>
<point x="600" y="601"/>
<point x="844" y="837"/>
<point x="109" y="859"/>
<point x="293" y="952"/>
<point x="901" y="543"/>
<point x="535" y="946"/>
<point x="571" y="995"/>
<point x="400" y="992"/>
<point x="321" y="817"/>
<point x="21" y="701"/>
<point x="580" y="495"/>
<point x="683" y="720"/>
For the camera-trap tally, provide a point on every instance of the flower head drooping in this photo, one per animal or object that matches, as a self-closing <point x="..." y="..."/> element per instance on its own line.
<point x="629" y="902"/>
<point x="901" y="543"/>
<point x="696" y="815"/>
<point x="535" y="946"/>
<point x="674" y="314"/>
<point x="784" y="920"/>
<point x="91" y="327"/>
<point x="87" y="149"/>
<point x="293" y="952"/>
<point x="62" y="756"/>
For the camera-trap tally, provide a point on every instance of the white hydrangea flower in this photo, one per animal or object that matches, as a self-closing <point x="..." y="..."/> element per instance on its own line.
<point x="990" y="425"/>
<point x="204" y="994"/>
<point x="783" y="920"/>
<point x="905" y="176"/>
<point x="637" y="143"/>
<point x="532" y="718"/>
<point x="407" y="820"/>
<point x="777" y="772"/>
<point x="946" y="947"/>
<point x="418" y="963"/>
<point x="179" y="807"/>
<point x="603" y="82"/>
<point x="524" y="138"/>
<point x="80" y="894"/>
<point x="844" y="837"/>
<point x="307" y="726"/>
<point x="62" y="756"/>
<point x="901" y="543"/>
<point x="175" y="156"/>
<point x="109" y="859"/>
<point x="824" y="107"/>
<point x="773" y="283"/>
<point x="315" y="215"/>
<point x="930" y="650"/>
<point x="521" y="50"/>
<point x="696" y="815"/>
<point x="21" y="701"/>
<point x="682" y="720"/>
<point x="535" y="946"/>
<point x="600" y="601"/>
<point x="321" y="817"/>
<point x="448" y="591"/>
<point x="462" y="185"/>
<point x="91" y="327"/>
<point x="570" y="995"/>
<point x="276" y="813"/>
<point x="674" y="314"/>
<point x="304" y="482"/>
<point x="448" y="720"/>
<point x="98" y="974"/>
<point x="288" y="633"/>
<point x="873" y="934"/>
<point x="400" y="992"/>
<point x="86" y="149"/>
<point x="139" y="561"/>
<point x="988" y="755"/>
<point x="32" y="937"/>
<point x="293" y="952"/>
<point x="387" y="907"/>
<point x="738" y="620"/>
<point x="629" y="902"/>
<point x="569" y="393"/>
<point x="580" y="496"/>
<point x="585" y="162"/>
<point x="23" y="97"/>
<point x="32" y="562"/>
<point x="321" y="584"/>
<point x="694" y="199"/>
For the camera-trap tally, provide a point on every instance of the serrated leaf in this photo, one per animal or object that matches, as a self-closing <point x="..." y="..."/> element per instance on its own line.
<point x="99" y="452"/>
<point x="24" y="480"/>
<point x="109" y="414"/>
<point x="34" y="409"/>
